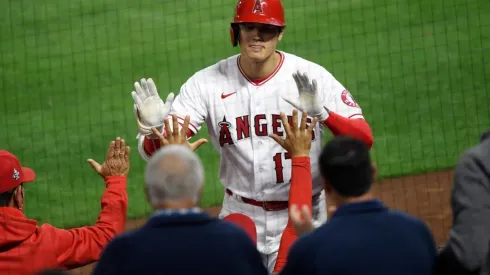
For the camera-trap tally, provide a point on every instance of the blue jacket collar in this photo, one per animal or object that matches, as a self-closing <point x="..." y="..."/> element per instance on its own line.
<point x="176" y="218"/>
<point x="360" y="207"/>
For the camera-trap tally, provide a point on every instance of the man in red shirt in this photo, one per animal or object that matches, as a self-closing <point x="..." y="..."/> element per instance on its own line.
<point x="26" y="248"/>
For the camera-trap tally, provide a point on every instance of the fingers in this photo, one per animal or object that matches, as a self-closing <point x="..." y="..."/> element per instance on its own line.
<point x="139" y="91"/>
<point x="144" y="85"/>
<point x="167" y="127"/>
<point x="314" y="85"/>
<point x="285" y="123"/>
<point x="297" y="80"/>
<point x="126" y="153"/>
<point x="122" y="149"/>
<point x="277" y="139"/>
<point x="198" y="143"/>
<point x="136" y="99"/>
<point x="295" y="121"/>
<point x="302" y="126"/>
<point x="312" y="125"/>
<point x="117" y="147"/>
<point x="95" y="165"/>
<point x="152" y="88"/>
<point x="168" y="102"/>
<point x="185" y="126"/>
<point x="110" y="151"/>
<point x="161" y="137"/>
<point x="175" y="126"/>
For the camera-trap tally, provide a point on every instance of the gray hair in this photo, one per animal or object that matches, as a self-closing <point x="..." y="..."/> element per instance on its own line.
<point x="174" y="173"/>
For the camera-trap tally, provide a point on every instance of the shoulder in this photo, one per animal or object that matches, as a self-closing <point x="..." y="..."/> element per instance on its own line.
<point x="296" y="63"/>
<point x="218" y="71"/>
<point x="408" y="220"/>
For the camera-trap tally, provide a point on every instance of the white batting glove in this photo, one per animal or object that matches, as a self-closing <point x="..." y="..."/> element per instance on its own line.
<point x="149" y="109"/>
<point x="308" y="99"/>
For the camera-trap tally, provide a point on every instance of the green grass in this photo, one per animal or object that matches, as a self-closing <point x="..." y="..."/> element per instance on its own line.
<point x="419" y="69"/>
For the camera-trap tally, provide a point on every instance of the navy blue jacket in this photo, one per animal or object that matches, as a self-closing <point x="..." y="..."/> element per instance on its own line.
<point x="365" y="238"/>
<point x="192" y="243"/>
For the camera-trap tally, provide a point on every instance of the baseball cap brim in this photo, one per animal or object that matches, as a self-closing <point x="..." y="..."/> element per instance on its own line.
<point x="28" y="174"/>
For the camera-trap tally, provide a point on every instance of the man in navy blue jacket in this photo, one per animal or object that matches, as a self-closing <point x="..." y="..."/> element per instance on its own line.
<point x="179" y="238"/>
<point x="363" y="236"/>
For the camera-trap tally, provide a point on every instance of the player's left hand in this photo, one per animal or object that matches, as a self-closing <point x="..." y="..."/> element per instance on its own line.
<point x="298" y="138"/>
<point x="149" y="109"/>
<point x="308" y="99"/>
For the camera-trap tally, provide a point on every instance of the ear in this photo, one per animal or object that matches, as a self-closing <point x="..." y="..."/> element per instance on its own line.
<point x="375" y="171"/>
<point x="280" y="35"/>
<point x="19" y="197"/>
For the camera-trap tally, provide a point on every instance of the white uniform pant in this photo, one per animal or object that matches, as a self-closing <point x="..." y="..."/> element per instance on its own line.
<point x="270" y="224"/>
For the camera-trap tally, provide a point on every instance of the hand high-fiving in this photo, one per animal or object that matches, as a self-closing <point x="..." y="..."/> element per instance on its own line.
<point x="308" y="98"/>
<point x="175" y="136"/>
<point x="149" y="109"/>
<point x="298" y="139"/>
<point x="116" y="162"/>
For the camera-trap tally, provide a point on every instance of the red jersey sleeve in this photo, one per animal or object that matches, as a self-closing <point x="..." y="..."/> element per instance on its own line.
<point x="81" y="246"/>
<point x="300" y="193"/>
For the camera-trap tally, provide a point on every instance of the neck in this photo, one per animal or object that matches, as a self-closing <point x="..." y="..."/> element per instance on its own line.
<point x="259" y="70"/>
<point x="171" y="205"/>
<point x="344" y="200"/>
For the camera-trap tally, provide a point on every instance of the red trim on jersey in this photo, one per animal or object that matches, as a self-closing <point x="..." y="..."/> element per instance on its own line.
<point x="356" y="128"/>
<point x="300" y="193"/>
<point x="355" y="115"/>
<point x="262" y="81"/>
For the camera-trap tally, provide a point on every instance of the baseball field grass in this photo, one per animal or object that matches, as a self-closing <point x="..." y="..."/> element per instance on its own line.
<point x="419" y="68"/>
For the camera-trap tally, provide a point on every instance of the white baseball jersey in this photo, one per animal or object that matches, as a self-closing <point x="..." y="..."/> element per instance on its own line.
<point x="241" y="114"/>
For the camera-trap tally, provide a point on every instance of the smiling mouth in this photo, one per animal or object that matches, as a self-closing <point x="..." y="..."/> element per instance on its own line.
<point x="256" y="47"/>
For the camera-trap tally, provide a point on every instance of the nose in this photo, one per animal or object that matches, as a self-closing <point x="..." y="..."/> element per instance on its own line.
<point x="257" y="35"/>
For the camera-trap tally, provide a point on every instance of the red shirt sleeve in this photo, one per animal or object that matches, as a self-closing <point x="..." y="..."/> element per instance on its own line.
<point x="81" y="246"/>
<point x="356" y="128"/>
<point x="300" y="193"/>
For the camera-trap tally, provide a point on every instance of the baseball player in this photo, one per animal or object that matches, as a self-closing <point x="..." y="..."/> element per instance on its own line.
<point x="240" y="99"/>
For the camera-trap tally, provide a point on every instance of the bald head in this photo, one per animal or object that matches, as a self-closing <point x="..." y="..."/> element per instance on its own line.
<point x="174" y="174"/>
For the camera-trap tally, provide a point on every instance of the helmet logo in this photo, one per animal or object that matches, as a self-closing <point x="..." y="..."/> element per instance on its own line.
<point x="258" y="7"/>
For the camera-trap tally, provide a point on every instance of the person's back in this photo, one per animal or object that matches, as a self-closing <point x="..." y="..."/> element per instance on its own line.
<point x="368" y="238"/>
<point x="188" y="244"/>
<point x="363" y="236"/>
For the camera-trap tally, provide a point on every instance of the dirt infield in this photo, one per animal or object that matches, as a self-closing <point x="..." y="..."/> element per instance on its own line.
<point x="426" y="196"/>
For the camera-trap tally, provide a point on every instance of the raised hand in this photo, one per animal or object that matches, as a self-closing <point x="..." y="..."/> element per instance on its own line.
<point x="149" y="109"/>
<point x="298" y="138"/>
<point x="175" y="136"/>
<point x="308" y="99"/>
<point x="116" y="162"/>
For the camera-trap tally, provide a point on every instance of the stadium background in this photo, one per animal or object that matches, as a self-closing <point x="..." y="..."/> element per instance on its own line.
<point x="419" y="68"/>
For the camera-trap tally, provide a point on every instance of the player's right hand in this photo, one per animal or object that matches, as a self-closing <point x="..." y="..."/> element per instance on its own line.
<point x="149" y="109"/>
<point x="298" y="137"/>
<point x="116" y="162"/>
<point x="177" y="137"/>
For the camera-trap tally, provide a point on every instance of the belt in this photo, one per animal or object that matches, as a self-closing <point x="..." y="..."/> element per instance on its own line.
<point x="268" y="205"/>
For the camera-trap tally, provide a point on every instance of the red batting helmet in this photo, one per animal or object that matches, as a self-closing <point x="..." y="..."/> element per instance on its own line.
<point x="269" y="12"/>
